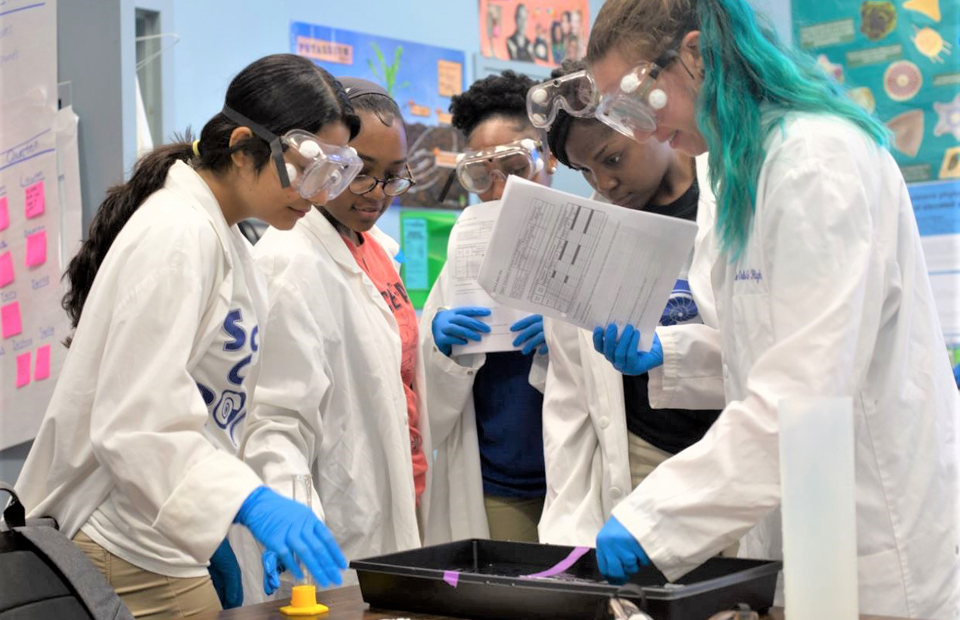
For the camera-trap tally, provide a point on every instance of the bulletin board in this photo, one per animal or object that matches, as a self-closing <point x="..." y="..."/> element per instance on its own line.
<point x="423" y="240"/>
<point x="32" y="323"/>
<point x="900" y="59"/>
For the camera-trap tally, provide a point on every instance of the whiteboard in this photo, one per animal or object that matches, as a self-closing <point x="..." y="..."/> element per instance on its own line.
<point x="32" y="324"/>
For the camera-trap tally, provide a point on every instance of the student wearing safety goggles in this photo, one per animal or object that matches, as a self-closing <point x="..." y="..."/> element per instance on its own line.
<point x="821" y="289"/>
<point x="341" y="385"/>
<point x="135" y="457"/>
<point x="485" y="412"/>
<point x="606" y="419"/>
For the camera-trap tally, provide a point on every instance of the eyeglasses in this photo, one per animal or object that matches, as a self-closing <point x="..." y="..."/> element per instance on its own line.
<point x="305" y="163"/>
<point x="393" y="186"/>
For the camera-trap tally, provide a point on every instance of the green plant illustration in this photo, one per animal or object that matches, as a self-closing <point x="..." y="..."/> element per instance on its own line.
<point x="387" y="74"/>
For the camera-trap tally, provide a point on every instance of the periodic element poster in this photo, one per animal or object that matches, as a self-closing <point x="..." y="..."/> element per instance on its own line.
<point x="32" y="324"/>
<point x="900" y="60"/>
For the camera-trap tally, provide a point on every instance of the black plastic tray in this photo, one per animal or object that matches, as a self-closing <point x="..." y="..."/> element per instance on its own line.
<point x="489" y="584"/>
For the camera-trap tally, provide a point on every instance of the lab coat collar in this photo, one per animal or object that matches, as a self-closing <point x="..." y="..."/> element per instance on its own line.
<point x="329" y="237"/>
<point x="186" y="183"/>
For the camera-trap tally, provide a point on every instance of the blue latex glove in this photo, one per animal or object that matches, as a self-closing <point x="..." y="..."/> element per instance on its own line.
<point x="225" y="573"/>
<point x="531" y="336"/>
<point x="619" y="555"/>
<point x="456" y="326"/>
<point x="623" y="353"/>
<point x="956" y="374"/>
<point x="293" y="532"/>
<point x="272" y="567"/>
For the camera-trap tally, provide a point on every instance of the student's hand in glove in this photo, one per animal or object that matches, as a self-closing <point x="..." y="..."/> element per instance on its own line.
<point x="624" y="353"/>
<point x="225" y="573"/>
<point x="272" y="567"/>
<point x="294" y="533"/>
<point x="457" y="326"/>
<point x="619" y="554"/>
<point x="531" y="336"/>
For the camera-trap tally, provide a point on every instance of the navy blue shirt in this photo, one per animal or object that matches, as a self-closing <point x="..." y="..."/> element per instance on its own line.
<point x="509" y="427"/>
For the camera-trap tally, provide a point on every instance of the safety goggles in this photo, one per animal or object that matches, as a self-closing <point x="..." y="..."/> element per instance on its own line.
<point x="477" y="170"/>
<point x="575" y="93"/>
<point x="305" y="163"/>
<point x="631" y="109"/>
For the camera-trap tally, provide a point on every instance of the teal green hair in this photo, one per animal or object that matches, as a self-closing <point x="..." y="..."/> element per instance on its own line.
<point x="745" y="65"/>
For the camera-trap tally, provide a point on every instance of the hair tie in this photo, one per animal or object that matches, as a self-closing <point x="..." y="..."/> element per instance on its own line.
<point x="196" y="148"/>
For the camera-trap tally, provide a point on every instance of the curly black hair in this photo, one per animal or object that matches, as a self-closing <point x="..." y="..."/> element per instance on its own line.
<point x="494" y="95"/>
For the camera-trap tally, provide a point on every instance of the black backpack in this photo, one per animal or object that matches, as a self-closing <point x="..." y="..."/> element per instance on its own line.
<point x="44" y="575"/>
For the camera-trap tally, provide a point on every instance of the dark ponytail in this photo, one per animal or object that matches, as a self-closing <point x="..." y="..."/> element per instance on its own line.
<point x="280" y="92"/>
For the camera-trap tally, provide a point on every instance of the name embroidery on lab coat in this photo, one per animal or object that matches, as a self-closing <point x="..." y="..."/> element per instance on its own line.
<point x="228" y="407"/>
<point x="749" y="275"/>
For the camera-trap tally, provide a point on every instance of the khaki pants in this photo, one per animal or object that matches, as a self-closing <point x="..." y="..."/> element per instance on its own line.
<point x="644" y="458"/>
<point x="149" y="595"/>
<point x="512" y="518"/>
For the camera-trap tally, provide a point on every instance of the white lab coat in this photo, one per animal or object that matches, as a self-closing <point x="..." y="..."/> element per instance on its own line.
<point x="457" y="511"/>
<point x="584" y="420"/>
<point x="126" y="417"/>
<point x="330" y="401"/>
<point x="830" y="297"/>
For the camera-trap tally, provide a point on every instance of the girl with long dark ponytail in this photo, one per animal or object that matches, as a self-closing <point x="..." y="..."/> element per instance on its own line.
<point x="822" y="291"/>
<point x="136" y="456"/>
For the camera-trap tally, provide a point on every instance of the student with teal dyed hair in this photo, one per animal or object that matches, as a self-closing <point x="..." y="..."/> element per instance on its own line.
<point x="821" y="290"/>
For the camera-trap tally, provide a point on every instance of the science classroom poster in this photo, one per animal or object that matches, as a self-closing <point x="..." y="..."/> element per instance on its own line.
<point x="421" y="78"/>
<point x="900" y="59"/>
<point x="545" y="32"/>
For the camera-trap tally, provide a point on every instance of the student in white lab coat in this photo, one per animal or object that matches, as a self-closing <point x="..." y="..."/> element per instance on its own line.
<point x="135" y="462"/>
<point x="821" y="290"/>
<point x="485" y="408"/>
<point x="341" y="390"/>
<point x="604" y="427"/>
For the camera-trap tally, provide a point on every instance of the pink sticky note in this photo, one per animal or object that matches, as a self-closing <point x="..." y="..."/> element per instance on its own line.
<point x="42" y="369"/>
<point x="6" y="269"/>
<point x="36" y="200"/>
<point x="23" y="369"/>
<point x="37" y="249"/>
<point x="10" y="317"/>
<point x="4" y="213"/>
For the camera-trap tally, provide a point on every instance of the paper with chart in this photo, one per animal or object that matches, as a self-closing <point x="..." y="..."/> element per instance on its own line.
<point x="582" y="261"/>
<point x="465" y="251"/>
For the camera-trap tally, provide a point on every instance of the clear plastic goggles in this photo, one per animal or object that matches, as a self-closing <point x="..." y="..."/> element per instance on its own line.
<point x="303" y="162"/>
<point x="575" y="93"/>
<point x="314" y="167"/>
<point x="631" y="109"/>
<point x="477" y="170"/>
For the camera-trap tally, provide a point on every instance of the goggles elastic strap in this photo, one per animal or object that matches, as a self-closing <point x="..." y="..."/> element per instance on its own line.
<point x="276" y="149"/>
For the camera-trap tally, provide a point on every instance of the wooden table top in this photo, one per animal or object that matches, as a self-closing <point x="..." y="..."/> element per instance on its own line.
<point x="347" y="604"/>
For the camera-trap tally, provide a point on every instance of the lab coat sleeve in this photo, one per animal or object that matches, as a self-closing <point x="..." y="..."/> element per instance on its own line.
<point x="148" y="416"/>
<point x="449" y="381"/>
<point x="811" y="334"/>
<point x="573" y="509"/>
<point x="285" y="424"/>
<point x="691" y="376"/>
